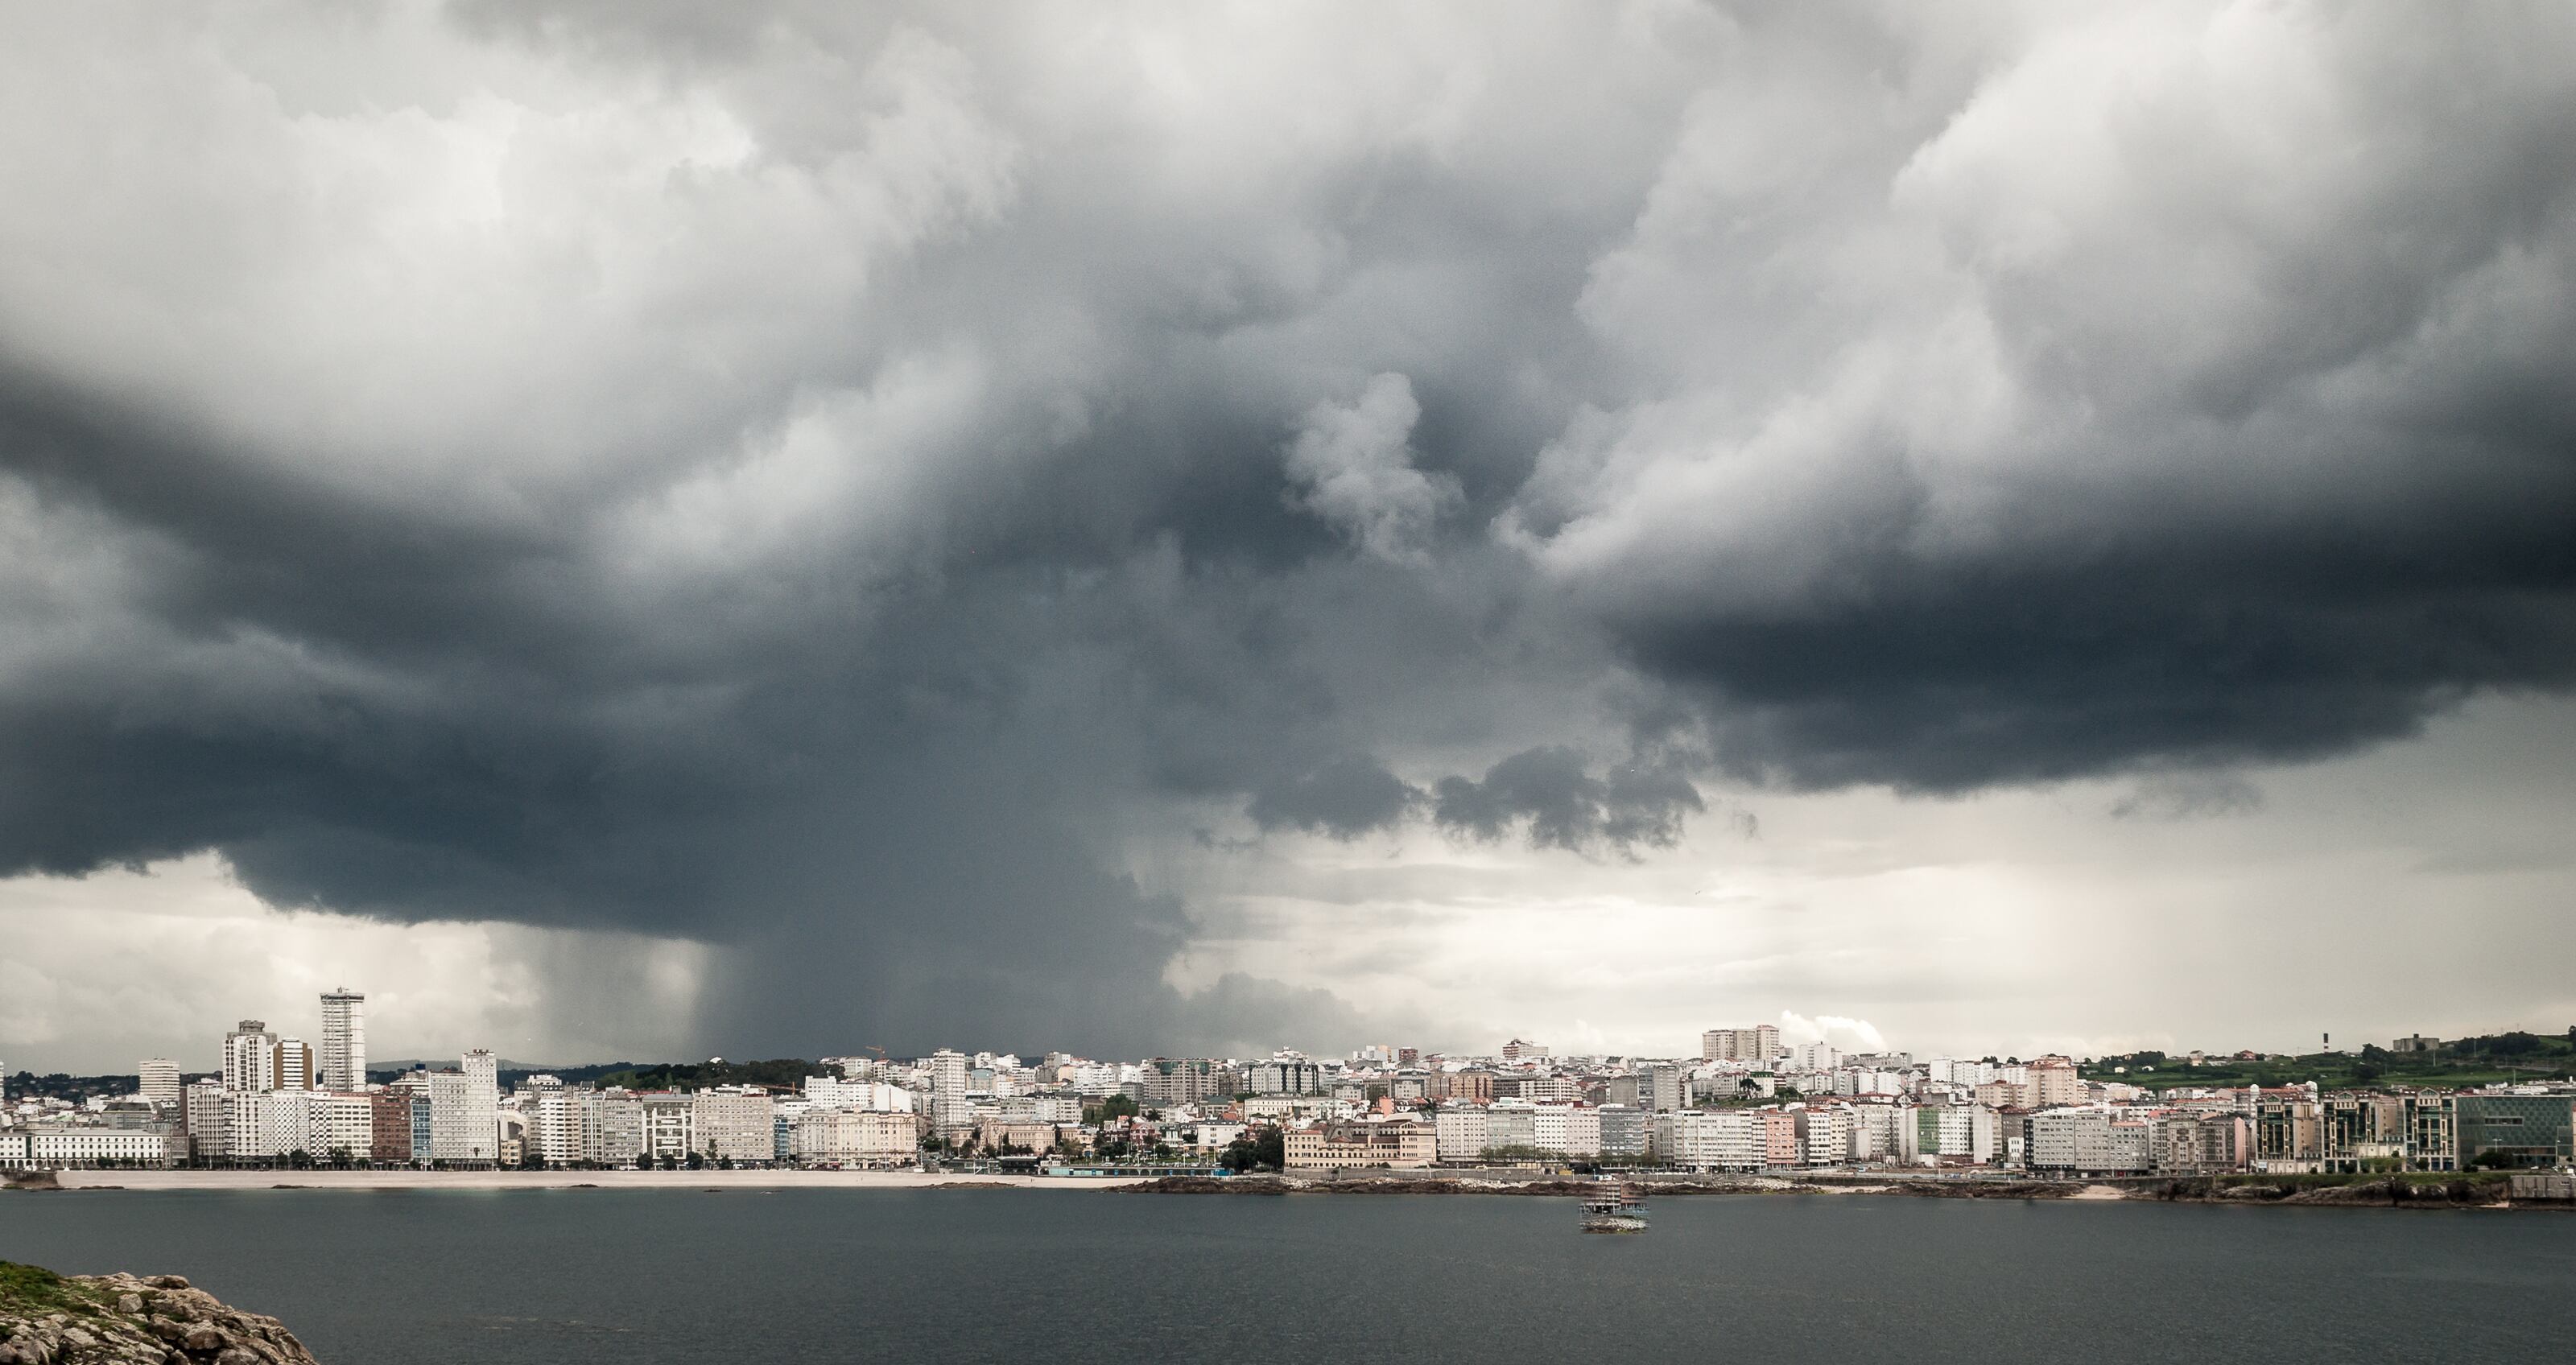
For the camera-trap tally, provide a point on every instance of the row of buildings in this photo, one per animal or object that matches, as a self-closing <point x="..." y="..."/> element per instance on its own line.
<point x="1747" y="1102"/>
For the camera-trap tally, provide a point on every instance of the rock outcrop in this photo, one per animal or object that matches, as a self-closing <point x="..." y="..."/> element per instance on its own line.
<point x="49" y="1319"/>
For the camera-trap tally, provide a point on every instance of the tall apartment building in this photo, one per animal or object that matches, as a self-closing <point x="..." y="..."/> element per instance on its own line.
<point x="1757" y="1043"/>
<point x="2202" y="1143"/>
<point x="736" y="1124"/>
<point x="2054" y="1082"/>
<point x="1659" y="1087"/>
<point x="1458" y="1132"/>
<point x="950" y="1108"/>
<point x="1572" y="1130"/>
<point x="250" y="1057"/>
<point x="1284" y="1074"/>
<point x="294" y="1067"/>
<point x="157" y="1080"/>
<point x="389" y="1125"/>
<point x="1627" y="1133"/>
<point x="464" y="1111"/>
<point x="621" y="1127"/>
<point x="342" y="1064"/>
<point x="1188" y="1080"/>
<point x="564" y="1126"/>
<point x="206" y="1120"/>
<point x="1712" y="1139"/>
<point x="1522" y="1050"/>
<point x="670" y="1126"/>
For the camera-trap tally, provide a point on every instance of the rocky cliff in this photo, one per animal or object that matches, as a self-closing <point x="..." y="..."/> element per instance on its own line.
<point x="49" y="1319"/>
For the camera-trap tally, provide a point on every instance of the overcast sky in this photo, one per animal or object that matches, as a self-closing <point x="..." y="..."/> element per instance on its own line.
<point x="629" y="531"/>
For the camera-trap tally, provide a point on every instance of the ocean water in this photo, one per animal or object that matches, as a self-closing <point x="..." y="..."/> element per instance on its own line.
<point x="549" y="1277"/>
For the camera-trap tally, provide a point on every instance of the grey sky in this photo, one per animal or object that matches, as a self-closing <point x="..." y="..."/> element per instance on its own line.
<point x="777" y="528"/>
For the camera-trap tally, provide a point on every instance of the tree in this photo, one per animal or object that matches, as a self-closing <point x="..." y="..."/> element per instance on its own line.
<point x="1111" y="1107"/>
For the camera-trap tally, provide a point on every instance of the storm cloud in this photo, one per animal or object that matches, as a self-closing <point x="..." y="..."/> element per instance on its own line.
<point x="856" y="488"/>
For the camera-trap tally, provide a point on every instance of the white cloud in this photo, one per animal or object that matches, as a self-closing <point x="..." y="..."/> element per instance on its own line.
<point x="1356" y="471"/>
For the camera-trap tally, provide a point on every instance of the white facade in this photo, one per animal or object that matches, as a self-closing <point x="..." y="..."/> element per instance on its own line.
<point x="734" y="1125"/>
<point x="157" y="1080"/>
<point x="1712" y="1139"/>
<point x="621" y="1127"/>
<point x="250" y="1057"/>
<point x="157" y="1145"/>
<point x="208" y="1119"/>
<point x="1458" y="1132"/>
<point x="1825" y="1135"/>
<point x="464" y="1117"/>
<point x="855" y="1137"/>
<point x="826" y="1092"/>
<point x="564" y="1127"/>
<point x="342" y="1064"/>
<point x="1571" y="1129"/>
<point x="670" y="1126"/>
<point x="265" y="1125"/>
<point x="950" y="1106"/>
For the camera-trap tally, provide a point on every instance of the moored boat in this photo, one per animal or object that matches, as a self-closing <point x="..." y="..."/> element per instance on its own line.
<point x="1614" y="1208"/>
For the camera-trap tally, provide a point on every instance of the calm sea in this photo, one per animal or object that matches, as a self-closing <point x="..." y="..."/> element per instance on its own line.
<point x="530" y="1277"/>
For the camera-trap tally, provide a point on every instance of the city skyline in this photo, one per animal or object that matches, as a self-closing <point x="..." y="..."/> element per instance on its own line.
<point x="647" y="533"/>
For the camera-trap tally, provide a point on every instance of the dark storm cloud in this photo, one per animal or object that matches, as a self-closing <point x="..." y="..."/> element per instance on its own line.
<point x="1345" y="798"/>
<point x="1564" y="806"/>
<point x="844" y="488"/>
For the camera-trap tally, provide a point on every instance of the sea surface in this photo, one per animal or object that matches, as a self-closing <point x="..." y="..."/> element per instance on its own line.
<point x="549" y="1277"/>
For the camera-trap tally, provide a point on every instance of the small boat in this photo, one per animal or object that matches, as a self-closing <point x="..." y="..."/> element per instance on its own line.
<point x="1614" y="1208"/>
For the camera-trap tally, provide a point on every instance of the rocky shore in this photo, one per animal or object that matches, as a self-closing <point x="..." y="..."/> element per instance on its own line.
<point x="50" y="1319"/>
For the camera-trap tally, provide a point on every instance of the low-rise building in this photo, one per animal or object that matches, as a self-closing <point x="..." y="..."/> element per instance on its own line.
<point x="1395" y="1143"/>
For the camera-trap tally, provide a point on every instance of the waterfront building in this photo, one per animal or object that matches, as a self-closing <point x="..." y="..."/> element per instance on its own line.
<point x="153" y="1144"/>
<point x="206" y="1119"/>
<point x="621" y="1127"/>
<point x="859" y="1138"/>
<point x="2202" y="1143"/>
<point x="1570" y="1130"/>
<point x="2358" y="1133"/>
<point x="1627" y="1134"/>
<point x="1394" y="1143"/>
<point x="2537" y="1130"/>
<point x="389" y="1126"/>
<point x="342" y="1064"/>
<point x="1825" y="1135"/>
<point x="2088" y="1142"/>
<point x="1711" y="1139"/>
<point x="670" y="1126"/>
<point x="2287" y="1136"/>
<point x="733" y="1123"/>
<point x="564" y="1127"/>
<point x="2432" y="1133"/>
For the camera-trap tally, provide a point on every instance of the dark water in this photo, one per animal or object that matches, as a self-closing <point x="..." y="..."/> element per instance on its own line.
<point x="523" y="1277"/>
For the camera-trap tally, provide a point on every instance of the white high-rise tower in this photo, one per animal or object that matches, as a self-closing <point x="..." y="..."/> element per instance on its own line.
<point x="250" y="1057"/>
<point x="342" y="1064"/>
<point x="158" y="1082"/>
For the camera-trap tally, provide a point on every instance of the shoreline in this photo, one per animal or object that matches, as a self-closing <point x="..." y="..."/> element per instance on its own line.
<point x="2458" y="1194"/>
